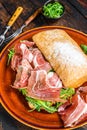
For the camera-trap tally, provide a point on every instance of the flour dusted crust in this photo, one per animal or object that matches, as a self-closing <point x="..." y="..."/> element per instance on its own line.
<point x="64" y="55"/>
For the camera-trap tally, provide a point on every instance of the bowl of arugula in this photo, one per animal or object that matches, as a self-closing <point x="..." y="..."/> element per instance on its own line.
<point x="53" y="9"/>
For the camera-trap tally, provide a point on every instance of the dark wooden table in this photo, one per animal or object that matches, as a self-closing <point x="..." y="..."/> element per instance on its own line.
<point x="75" y="16"/>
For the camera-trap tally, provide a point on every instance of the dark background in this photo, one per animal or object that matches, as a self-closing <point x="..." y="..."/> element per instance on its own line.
<point x="75" y="16"/>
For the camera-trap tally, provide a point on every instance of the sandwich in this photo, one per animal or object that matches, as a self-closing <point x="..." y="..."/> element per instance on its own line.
<point x="64" y="55"/>
<point x="49" y="70"/>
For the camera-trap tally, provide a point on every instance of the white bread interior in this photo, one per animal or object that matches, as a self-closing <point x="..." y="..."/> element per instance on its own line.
<point x="64" y="55"/>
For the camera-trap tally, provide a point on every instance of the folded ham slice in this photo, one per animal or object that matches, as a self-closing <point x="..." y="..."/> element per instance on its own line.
<point x="21" y="63"/>
<point x="36" y="75"/>
<point x="39" y="63"/>
<point x="44" y="86"/>
<point x="75" y="111"/>
<point x="33" y="73"/>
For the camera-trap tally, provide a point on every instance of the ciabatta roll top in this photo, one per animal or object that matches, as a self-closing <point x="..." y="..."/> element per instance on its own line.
<point x="64" y="55"/>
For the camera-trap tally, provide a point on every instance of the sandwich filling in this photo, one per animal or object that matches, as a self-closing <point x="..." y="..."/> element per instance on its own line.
<point x="42" y="87"/>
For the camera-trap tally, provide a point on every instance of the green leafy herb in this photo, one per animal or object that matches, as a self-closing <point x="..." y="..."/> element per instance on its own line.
<point x="84" y="48"/>
<point x="53" y="10"/>
<point x="23" y="91"/>
<point x="39" y="104"/>
<point x="51" y="70"/>
<point x="10" y="55"/>
<point x="67" y="93"/>
<point x="48" y="105"/>
<point x="58" y="104"/>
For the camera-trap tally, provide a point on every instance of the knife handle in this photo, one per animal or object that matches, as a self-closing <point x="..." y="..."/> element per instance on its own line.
<point x="33" y="16"/>
<point x="15" y="16"/>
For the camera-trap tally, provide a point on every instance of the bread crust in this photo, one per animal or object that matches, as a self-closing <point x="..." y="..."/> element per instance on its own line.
<point x="64" y="55"/>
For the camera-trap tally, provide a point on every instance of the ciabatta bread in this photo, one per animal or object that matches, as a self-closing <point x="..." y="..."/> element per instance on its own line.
<point x="64" y="55"/>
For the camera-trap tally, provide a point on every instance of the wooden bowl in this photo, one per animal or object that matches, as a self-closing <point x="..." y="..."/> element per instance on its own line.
<point x="14" y="102"/>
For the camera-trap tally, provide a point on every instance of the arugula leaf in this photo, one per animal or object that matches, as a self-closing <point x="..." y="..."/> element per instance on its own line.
<point x="39" y="104"/>
<point x="53" y="10"/>
<point x="84" y="48"/>
<point x="58" y="104"/>
<point x="52" y="70"/>
<point x="67" y="93"/>
<point x="48" y="105"/>
<point x="23" y="91"/>
<point x="10" y="55"/>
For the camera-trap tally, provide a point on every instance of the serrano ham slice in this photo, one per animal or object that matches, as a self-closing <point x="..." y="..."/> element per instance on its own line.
<point x="83" y="89"/>
<point x="40" y="86"/>
<point x="21" y="63"/>
<point x="16" y="61"/>
<point x="33" y="73"/>
<point x="39" y="62"/>
<point x="24" y="42"/>
<point x="21" y="51"/>
<point x="75" y="111"/>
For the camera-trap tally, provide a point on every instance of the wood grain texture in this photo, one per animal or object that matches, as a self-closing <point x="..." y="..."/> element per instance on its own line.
<point x="3" y="17"/>
<point x="75" y="16"/>
<point x="72" y="18"/>
<point x="81" y="5"/>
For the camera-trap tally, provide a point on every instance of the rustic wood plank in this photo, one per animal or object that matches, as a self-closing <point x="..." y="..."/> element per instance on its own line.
<point x="38" y="3"/>
<point x="27" y="8"/>
<point x="4" y="16"/>
<point x="72" y="18"/>
<point x="81" y="5"/>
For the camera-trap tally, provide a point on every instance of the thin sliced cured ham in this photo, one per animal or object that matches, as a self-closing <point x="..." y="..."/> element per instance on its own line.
<point x="83" y="89"/>
<point x="16" y="61"/>
<point x="83" y="92"/>
<point x="22" y="75"/>
<point x="64" y="55"/>
<point x="33" y="73"/>
<point x="53" y="80"/>
<point x="39" y="62"/>
<point x="21" y="51"/>
<point x="39" y="86"/>
<point x="21" y="63"/>
<point x="74" y="112"/>
<point x="25" y="42"/>
<point x="38" y="58"/>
